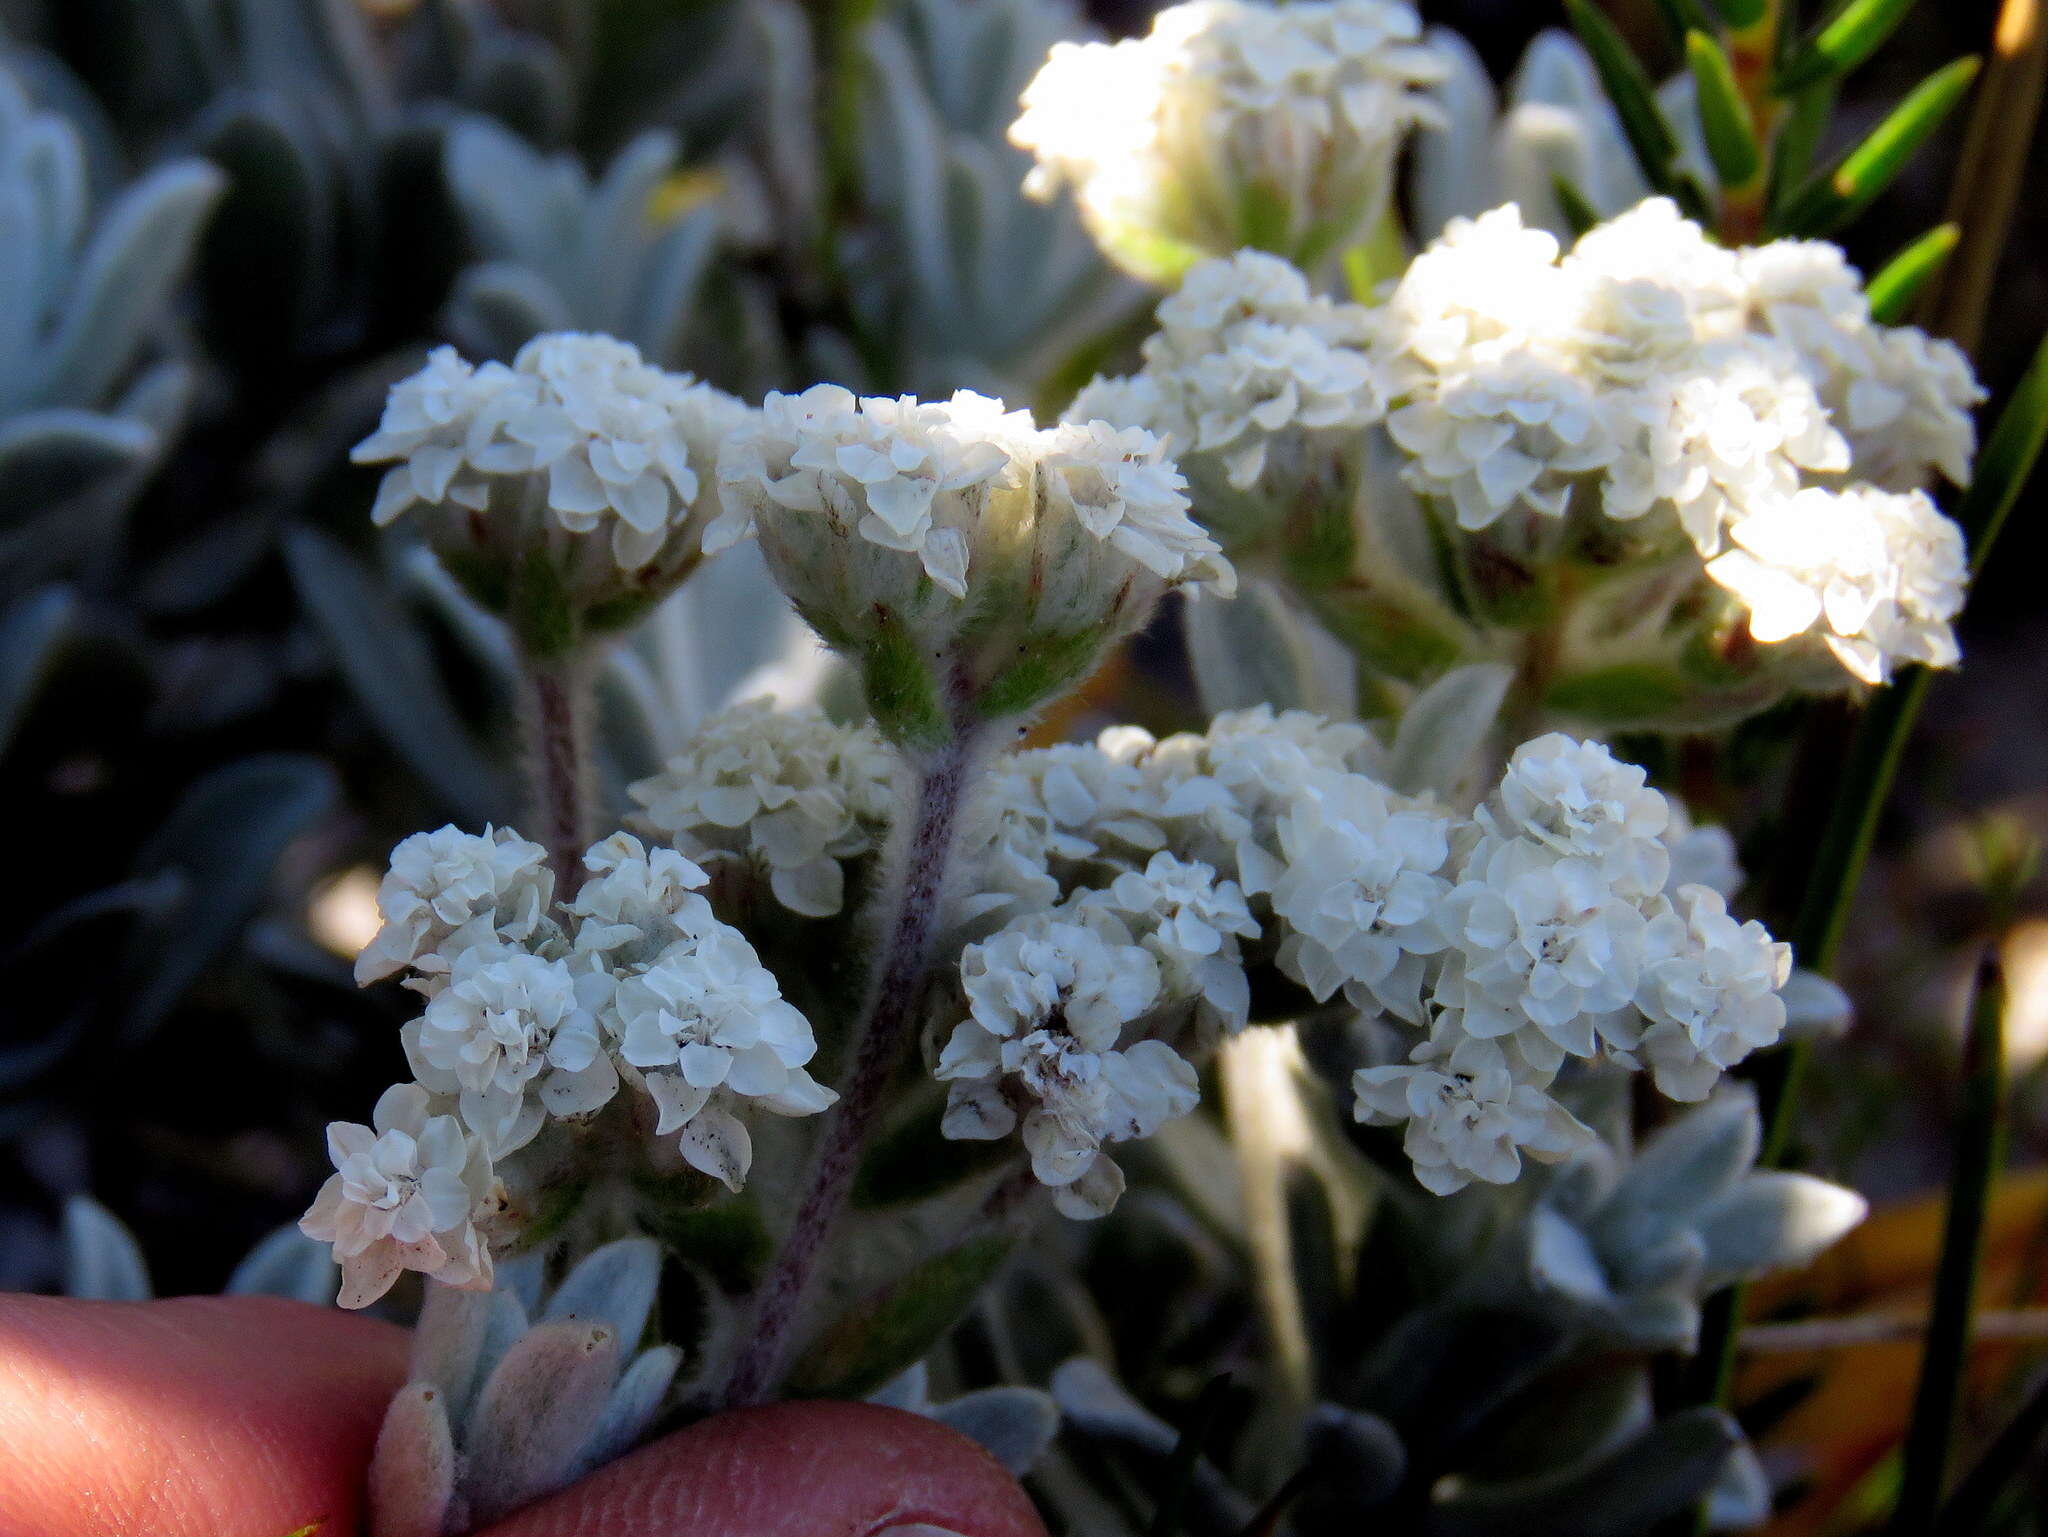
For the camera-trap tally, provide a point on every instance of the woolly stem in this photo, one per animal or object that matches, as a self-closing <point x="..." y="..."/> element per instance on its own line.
<point x="558" y="704"/>
<point x="888" y="1026"/>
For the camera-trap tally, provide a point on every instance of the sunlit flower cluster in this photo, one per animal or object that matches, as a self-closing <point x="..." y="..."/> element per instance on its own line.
<point x="1231" y="123"/>
<point x="1741" y="404"/>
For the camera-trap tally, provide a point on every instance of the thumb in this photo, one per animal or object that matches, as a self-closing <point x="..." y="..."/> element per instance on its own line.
<point x="792" y="1470"/>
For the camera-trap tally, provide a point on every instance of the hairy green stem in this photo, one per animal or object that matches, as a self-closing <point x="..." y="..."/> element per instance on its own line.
<point x="888" y="1025"/>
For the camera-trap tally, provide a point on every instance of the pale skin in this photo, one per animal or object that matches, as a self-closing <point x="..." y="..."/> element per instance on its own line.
<point x="252" y="1417"/>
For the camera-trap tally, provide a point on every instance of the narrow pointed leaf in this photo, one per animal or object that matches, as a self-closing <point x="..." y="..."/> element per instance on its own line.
<point x="2007" y="460"/>
<point x="102" y="1261"/>
<point x="31" y="633"/>
<point x="1832" y="199"/>
<point x="536" y="1415"/>
<point x="287" y="1264"/>
<point x="632" y="1407"/>
<point x="1013" y="1425"/>
<point x="380" y="651"/>
<point x="412" y="1470"/>
<point x="1724" y="115"/>
<point x="612" y="1285"/>
<point x="1848" y="38"/>
<point x="1579" y="213"/>
<point x="135" y="262"/>
<point x="1899" y="282"/>
<point x="1445" y="726"/>
<point x="1628" y="86"/>
<point x="1979" y="1154"/>
<point x="224" y="838"/>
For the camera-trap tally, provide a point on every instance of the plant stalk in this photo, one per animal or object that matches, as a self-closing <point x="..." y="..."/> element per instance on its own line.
<point x="558" y="704"/>
<point x="1269" y="1134"/>
<point x="1980" y="1150"/>
<point x="1991" y="171"/>
<point x="888" y="1025"/>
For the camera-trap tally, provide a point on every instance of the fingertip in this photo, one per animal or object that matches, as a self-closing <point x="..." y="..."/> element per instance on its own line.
<point x="202" y="1415"/>
<point x="815" y="1469"/>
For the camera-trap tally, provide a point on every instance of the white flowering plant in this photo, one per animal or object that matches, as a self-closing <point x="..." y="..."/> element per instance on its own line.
<point x="840" y="992"/>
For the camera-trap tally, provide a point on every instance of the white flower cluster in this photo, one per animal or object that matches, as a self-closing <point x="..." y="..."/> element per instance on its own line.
<point x="787" y="789"/>
<point x="538" y="1010"/>
<point x="1562" y="940"/>
<point x="1248" y="364"/>
<point x="577" y="436"/>
<point x="1742" y="400"/>
<point x="826" y="476"/>
<point x="1298" y="110"/>
<point x="1050" y="998"/>
<point x="1747" y="393"/>
<point x="1576" y="915"/>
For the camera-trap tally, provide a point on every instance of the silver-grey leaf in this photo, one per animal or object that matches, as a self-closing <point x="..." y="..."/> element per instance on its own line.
<point x="102" y="1260"/>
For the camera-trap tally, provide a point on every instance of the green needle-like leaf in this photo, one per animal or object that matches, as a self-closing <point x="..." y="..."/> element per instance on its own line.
<point x="1579" y="213"/>
<point x="1683" y="16"/>
<point x="2007" y="459"/>
<point x="1628" y="86"/>
<point x="1895" y="287"/>
<point x="1724" y="115"/>
<point x="1832" y="199"/>
<point x="1844" y="42"/>
<point x="1180" y="1472"/>
<point x="1980" y="1149"/>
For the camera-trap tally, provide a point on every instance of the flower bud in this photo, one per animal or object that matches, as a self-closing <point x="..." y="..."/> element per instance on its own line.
<point x="971" y="565"/>
<point x="568" y="492"/>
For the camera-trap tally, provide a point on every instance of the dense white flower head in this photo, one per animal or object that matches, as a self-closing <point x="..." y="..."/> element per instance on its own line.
<point x="1542" y="947"/>
<point x="1901" y="398"/>
<point x="1702" y="854"/>
<point x="1115" y="484"/>
<point x="579" y="429"/>
<point x="1737" y="428"/>
<point x="958" y="540"/>
<point x="788" y="788"/>
<point x="1166" y="138"/>
<point x="1360" y="891"/>
<point x="1248" y="362"/>
<point x="1471" y="1113"/>
<point x="1048" y="1001"/>
<point x="1192" y="923"/>
<point x="1044" y="814"/>
<point x="636" y="901"/>
<point x="512" y="1039"/>
<point x="409" y="1192"/>
<point x="1043" y="964"/>
<point x="902" y="474"/>
<point x="447" y="891"/>
<point x="708" y="1028"/>
<point x="1877" y="575"/>
<point x="1577" y="798"/>
<point x="1710" y="990"/>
